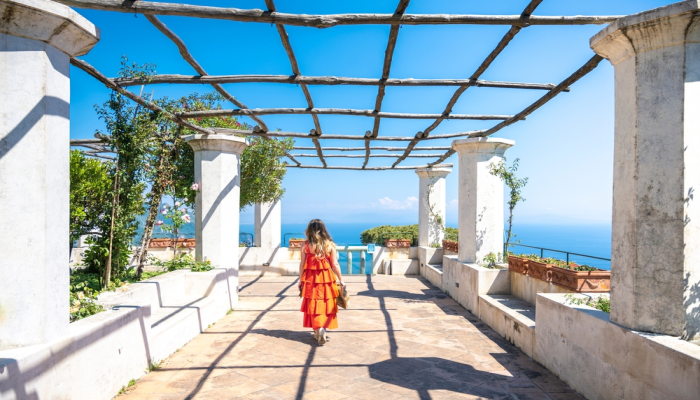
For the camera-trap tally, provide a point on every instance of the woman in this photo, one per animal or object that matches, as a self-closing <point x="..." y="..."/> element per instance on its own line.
<point x="318" y="264"/>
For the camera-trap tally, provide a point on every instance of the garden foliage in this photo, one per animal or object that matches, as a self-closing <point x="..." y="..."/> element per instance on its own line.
<point x="385" y="232"/>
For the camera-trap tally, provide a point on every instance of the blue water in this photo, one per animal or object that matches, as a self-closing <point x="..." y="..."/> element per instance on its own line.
<point x="593" y="240"/>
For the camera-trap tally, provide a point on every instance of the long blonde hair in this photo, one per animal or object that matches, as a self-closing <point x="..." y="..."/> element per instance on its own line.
<point x="318" y="237"/>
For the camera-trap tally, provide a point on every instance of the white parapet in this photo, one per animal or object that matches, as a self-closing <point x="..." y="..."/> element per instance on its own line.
<point x="217" y="164"/>
<point x="268" y="224"/>
<point x="656" y="218"/>
<point x="431" y="205"/>
<point x="480" y="197"/>
<point x="37" y="39"/>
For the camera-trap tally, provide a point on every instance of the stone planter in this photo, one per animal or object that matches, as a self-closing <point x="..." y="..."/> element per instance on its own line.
<point x="296" y="243"/>
<point x="517" y="264"/>
<point x="450" y="246"/>
<point x="539" y="270"/>
<point x="401" y="243"/>
<point x="581" y="281"/>
<point x="160" y="243"/>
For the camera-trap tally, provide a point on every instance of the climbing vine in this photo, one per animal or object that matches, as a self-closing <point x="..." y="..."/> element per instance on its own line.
<point x="515" y="184"/>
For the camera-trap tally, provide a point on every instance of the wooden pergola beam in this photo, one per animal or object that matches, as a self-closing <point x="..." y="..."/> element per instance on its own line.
<point x="526" y="15"/>
<point x="138" y="99"/>
<point x="327" y="20"/>
<point x="372" y="148"/>
<point x="284" y="37"/>
<point x="185" y="53"/>
<point x="385" y="168"/>
<point x="386" y="69"/>
<point x="299" y="135"/>
<point x="336" y="111"/>
<point x="323" y="80"/>
<point x="371" y="155"/>
<point x="589" y="66"/>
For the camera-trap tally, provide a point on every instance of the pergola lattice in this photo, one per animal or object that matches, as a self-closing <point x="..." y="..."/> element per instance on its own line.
<point x="272" y="16"/>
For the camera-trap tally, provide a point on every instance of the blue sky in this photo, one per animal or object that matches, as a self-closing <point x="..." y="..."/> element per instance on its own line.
<point x="565" y="148"/>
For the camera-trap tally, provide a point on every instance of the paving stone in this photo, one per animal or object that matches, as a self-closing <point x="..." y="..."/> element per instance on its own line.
<point x="401" y="339"/>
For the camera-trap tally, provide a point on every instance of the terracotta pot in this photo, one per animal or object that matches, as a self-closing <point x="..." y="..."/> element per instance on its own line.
<point x="160" y="243"/>
<point x="450" y="246"/>
<point x="518" y="264"/>
<point x="296" y="243"/>
<point x="397" y="243"/>
<point x="581" y="281"/>
<point x="539" y="270"/>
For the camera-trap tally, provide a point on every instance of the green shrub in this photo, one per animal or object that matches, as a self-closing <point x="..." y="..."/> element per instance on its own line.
<point x="601" y="302"/>
<point x="183" y="261"/>
<point x="381" y="233"/>
<point x="84" y="288"/>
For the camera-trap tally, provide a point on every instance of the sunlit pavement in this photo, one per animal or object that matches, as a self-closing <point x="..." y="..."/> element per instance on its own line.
<point x="400" y="338"/>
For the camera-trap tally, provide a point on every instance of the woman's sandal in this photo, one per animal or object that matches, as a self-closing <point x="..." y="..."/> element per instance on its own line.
<point x="322" y="339"/>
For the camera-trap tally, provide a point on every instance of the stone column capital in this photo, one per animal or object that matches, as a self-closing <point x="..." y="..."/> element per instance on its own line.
<point x="495" y="146"/>
<point x="433" y="172"/>
<point x="222" y="143"/>
<point x="650" y="30"/>
<point x="49" y="22"/>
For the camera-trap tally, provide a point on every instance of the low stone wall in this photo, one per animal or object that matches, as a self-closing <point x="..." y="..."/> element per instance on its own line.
<point x="281" y="261"/>
<point x="101" y="353"/>
<point x="603" y="360"/>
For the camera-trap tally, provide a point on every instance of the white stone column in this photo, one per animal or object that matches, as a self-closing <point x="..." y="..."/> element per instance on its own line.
<point x="37" y="39"/>
<point x="480" y="197"/>
<point x="431" y="194"/>
<point x="656" y="209"/>
<point x="217" y="164"/>
<point x="268" y="224"/>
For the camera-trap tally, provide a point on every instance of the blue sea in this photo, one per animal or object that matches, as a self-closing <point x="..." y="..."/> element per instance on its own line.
<point x="591" y="240"/>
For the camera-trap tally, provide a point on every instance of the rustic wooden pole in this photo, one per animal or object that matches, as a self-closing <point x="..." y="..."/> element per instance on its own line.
<point x="284" y="37"/>
<point x="227" y="131"/>
<point x="138" y="99"/>
<point x="386" y="69"/>
<point x="371" y="155"/>
<point x="197" y="67"/>
<point x="327" y="20"/>
<point x="373" y="148"/>
<point x="385" y="168"/>
<point x="337" y="111"/>
<point x="526" y="14"/>
<point x="323" y="80"/>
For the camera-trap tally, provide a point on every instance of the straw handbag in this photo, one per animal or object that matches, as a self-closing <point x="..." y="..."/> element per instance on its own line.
<point x="343" y="297"/>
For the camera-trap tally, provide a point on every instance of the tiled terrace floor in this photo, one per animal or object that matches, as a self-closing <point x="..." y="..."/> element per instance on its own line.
<point x="400" y="339"/>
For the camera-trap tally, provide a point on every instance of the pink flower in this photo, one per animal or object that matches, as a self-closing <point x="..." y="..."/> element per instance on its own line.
<point x="159" y="223"/>
<point x="195" y="186"/>
<point x="186" y="218"/>
<point x="164" y="211"/>
<point x="185" y="199"/>
<point x="177" y="204"/>
<point x="183" y="209"/>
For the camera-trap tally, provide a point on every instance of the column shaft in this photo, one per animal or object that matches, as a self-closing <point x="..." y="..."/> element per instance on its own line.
<point x="217" y="161"/>
<point x="656" y="220"/>
<point x="268" y="224"/>
<point x="480" y="197"/>
<point x="431" y="206"/>
<point x="37" y="40"/>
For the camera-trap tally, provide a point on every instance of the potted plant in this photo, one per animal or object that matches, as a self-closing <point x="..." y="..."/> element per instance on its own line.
<point x="450" y="245"/>
<point x="518" y="264"/>
<point x="398" y="243"/>
<point x="581" y="278"/>
<point x="296" y="243"/>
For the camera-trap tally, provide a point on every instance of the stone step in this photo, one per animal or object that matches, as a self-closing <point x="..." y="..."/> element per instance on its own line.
<point x="510" y="317"/>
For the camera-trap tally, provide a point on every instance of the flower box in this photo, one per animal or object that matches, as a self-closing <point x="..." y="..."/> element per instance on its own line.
<point x="539" y="270"/>
<point x="449" y="245"/>
<point x="296" y="243"/>
<point x="394" y="243"/>
<point x="518" y="264"/>
<point x="581" y="281"/>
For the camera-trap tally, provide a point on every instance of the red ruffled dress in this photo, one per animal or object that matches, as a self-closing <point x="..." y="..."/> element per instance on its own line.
<point x="319" y="293"/>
